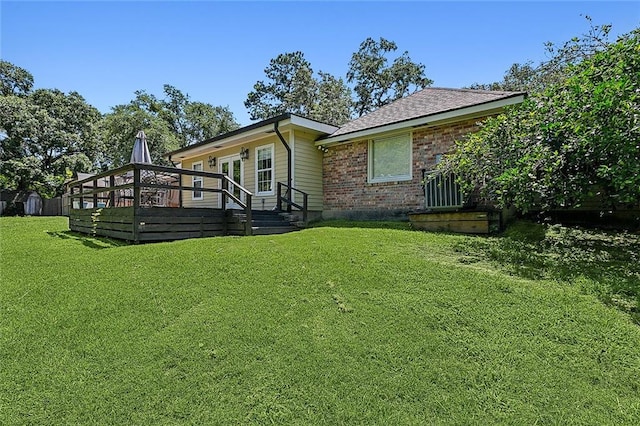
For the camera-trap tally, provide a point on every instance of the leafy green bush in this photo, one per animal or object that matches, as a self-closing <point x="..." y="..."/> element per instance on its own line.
<point x="561" y="147"/>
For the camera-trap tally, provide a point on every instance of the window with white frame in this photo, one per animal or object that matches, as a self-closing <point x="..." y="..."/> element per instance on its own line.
<point x="264" y="170"/>
<point x="390" y="158"/>
<point x="197" y="181"/>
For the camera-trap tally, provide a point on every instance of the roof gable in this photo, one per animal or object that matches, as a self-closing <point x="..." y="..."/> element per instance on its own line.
<point x="425" y="103"/>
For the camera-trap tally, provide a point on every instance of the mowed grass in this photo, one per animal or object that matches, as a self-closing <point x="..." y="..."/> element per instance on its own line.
<point x="325" y="326"/>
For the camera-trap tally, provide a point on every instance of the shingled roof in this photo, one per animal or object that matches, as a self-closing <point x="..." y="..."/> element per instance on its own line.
<point x="425" y="103"/>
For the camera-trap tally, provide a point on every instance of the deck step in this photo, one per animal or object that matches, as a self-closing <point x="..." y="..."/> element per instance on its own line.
<point x="272" y="230"/>
<point x="267" y="222"/>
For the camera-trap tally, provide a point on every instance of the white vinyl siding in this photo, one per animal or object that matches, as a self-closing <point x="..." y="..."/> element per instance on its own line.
<point x="264" y="170"/>
<point x="307" y="169"/>
<point x="197" y="181"/>
<point x="390" y="158"/>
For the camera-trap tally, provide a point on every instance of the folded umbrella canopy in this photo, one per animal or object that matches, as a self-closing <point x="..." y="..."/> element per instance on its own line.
<point x="140" y="153"/>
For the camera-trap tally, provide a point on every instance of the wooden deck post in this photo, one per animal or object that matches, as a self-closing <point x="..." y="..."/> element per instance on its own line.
<point x="112" y="192"/>
<point x="136" y="203"/>
<point x="279" y="198"/>
<point x="71" y="192"/>
<point x="305" y="200"/>
<point x="81" y="205"/>
<point x="179" y="189"/>
<point x="95" y="194"/>
<point x="136" y="188"/>
<point x="249" y="224"/>
<point x="225" y="188"/>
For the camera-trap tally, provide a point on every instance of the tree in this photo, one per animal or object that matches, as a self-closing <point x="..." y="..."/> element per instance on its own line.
<point x="333" y="103"/>
<point x="519" y="77"/>
<point x="46" y="135"/>
<point x="191" y="122"/>
<point x="292" y="87"/>
<point x="170" y="123"/>
<point x="377" y="83"/>
<point x="119" y="129"/>
<point x="530" y="78"/>
<point x="204" y="121"/>
<point x="578" y="138"/>
<point x="14" y="80"/>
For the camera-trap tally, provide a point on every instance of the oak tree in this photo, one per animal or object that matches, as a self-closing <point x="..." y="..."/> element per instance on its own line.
<point x="292" y="87"/>
<point x="45" y="134"/>
<point x="169" y="123"/>
<point x="376" y="83"/>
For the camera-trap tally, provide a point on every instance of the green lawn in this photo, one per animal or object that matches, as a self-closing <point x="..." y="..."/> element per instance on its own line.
<point x="331" y="325"/>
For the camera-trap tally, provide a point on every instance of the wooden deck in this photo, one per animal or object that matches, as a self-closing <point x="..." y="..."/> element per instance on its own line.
<point x="155" y="223"/>
<point x="142" y="202"/>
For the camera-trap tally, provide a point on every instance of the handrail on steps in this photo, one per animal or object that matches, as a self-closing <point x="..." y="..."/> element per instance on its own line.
<point x="287" y="198"/>
<point x="246" y="205"/>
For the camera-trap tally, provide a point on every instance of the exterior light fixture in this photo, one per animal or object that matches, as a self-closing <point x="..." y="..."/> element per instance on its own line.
<point x="212" y="161"/>
<point x="244" y="153"/>
<point x="324" y="149"/>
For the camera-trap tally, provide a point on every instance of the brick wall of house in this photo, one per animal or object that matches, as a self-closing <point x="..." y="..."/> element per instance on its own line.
<point x="347" y="192"/>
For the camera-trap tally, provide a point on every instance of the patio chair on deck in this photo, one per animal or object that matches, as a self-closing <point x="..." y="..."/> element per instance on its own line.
<point x="123" y="196"/>
<point x="160" y="198"/>
<point x="152" y="196"/>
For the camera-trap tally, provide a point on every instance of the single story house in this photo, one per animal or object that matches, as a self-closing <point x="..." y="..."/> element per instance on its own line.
<point x="258" y="157"/>
<point x="371" y="167"/>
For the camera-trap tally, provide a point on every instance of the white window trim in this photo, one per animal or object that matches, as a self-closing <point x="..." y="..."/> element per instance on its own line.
<point x="273" y="169"/>
<point x="195" y="179"/>
<point x="400" y="178"/>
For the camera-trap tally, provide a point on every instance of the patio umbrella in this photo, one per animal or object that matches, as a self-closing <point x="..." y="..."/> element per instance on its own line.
<point x="140" y="153"/>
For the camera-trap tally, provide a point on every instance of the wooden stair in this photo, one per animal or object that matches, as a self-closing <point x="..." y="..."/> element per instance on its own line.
<point x="267" y="222"/>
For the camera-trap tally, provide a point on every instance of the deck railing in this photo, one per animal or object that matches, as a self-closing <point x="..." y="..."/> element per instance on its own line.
<point x="287" y="197"/>
<point x="142" y="185"/>
<point x="441" y="191"/>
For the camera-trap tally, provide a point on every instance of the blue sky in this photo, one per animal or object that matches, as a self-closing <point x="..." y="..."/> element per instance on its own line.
<point x="216" y="51"/>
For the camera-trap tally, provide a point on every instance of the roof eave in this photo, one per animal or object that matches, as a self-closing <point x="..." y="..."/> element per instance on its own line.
<point x="316" y="126"/>
<point x="253" y="130"/>
<point x="433" y="119"/>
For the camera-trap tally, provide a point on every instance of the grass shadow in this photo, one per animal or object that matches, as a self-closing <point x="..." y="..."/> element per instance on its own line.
<point x="604" y="263"/>
<point x="97" y="243"/>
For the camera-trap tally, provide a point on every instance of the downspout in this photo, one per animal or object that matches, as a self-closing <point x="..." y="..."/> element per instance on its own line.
<point x="288" y="148"/>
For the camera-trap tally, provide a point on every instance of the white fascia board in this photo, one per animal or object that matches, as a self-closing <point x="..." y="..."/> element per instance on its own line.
<point x="434" y="119"/>
<point x="259" y="133"/>
<point x="245" y="137"/>
<point x="312" y="125"/>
